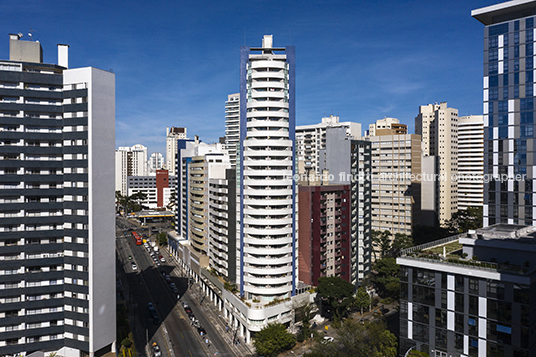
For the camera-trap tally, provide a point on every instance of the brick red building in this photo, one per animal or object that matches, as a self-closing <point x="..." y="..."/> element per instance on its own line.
<point x="324" y="239"/>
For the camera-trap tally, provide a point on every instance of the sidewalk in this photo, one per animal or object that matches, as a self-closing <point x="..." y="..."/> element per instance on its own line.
<point x="215" y="316"/>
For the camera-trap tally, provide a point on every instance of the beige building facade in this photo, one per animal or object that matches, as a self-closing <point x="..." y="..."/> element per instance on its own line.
<point x="438" y="126"/>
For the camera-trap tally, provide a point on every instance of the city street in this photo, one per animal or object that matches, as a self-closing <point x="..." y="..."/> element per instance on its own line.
<point x="175" y="335"/>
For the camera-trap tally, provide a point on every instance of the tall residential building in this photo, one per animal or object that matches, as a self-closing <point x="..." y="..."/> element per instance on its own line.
<point x="325" y="232"/>
<point x="509" y="112"/>
<point x="253" y="251"/>
<point x="438" y="127"/>
<point x="268" y="230"/>
<point x="222" y="223"/>
<point x="470" y="161"/>
<point x="470" y="295"/>
<point x="183" y="188"/>
<point x="387" y="126"/>
<point x="232" y="125"/>
<point x="129" y="161"/>
<point x="200" y="170"/>
<point x="396" y="189"/>
<point x="347" y="161"/>
<point x="172" y="147"/>
<point x="310" y="139"/>
<point x="57" y="134"/>
<point x="156" y="162"/>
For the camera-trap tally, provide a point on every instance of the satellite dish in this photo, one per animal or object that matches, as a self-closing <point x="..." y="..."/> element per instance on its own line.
<point x="20" y="35"/>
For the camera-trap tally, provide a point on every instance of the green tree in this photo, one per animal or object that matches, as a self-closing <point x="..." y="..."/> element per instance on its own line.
<point x="272" y="340"/>
<point x="362" y="299"/>
<point x="414" y="353"/>
<point x="358" y="340"/>
<point x="381" y="241"/>
<point x="161" y="239"/>
<point x="465" y="219"/>
<point x="338" y="293"/>
<point x="400" y="241"/>
<point x="385" y="277"/>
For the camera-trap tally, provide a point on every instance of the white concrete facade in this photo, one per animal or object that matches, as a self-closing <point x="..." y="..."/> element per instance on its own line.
<point x="310" y="139"/>
<point x="470" y="161"/>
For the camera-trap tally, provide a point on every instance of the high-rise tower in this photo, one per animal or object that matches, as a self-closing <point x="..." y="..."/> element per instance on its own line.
<point x="268" y="234"/>
<point x="509" y="112"/>
<point x="57" y="249"/>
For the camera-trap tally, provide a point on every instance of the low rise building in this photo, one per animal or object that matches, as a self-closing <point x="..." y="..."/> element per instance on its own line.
<point x="471" y="295"/>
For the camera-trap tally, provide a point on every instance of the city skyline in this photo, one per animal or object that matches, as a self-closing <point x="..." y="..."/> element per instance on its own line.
<point x="361" y="62"/>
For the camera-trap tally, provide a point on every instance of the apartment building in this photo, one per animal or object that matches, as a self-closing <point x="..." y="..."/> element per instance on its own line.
<point x="470" y="161"/>
<point x="310" y="139"/>
<point x="156" y="162"/>
<point x="325" y="232"/>
<point x="437" y="124"/>
<point x="232" y="125"/>
<point x="387" y="126"/>
<point x="347" y="161"/>
<point x="57" y="256"/>
<point x="129" y="161"/>
<point x="174" y="135"/>
<point x="396" y="186"/>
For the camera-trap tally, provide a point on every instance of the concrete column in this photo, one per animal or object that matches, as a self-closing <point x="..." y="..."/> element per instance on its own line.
<point x="248" y="336"/>
<point x="220" y="304"/>
<point x="225" y="313"/>
<point x="242" y="329"/>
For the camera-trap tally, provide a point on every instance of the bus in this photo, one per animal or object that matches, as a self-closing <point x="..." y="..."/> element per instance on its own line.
<point x="136" y="237"/>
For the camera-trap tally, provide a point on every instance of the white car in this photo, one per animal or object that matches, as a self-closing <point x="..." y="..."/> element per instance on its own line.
<point x="134" y="266"/>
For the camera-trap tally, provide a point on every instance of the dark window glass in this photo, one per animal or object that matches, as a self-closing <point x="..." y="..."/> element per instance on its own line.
<point x="526" y="131"/>
<point x="529" y="23"/>
<point x="529" y="63"/>
<point x="493" y="55"/>
<point x="502" y="119"/>
<point x="458" y="323"/>
<point x="421" y="313"/>
<point x="493" y="42"/>
<point x="493" y="81"/>
<point x="521" y="293"/>
<point x="516" y="52"/>
<point x="526" y="117"/>
<point x="459" y="302"/>
<point x="516" y="78"/>
<point x="441" y="318"/>
<point x="528" y="50"/>
<point x="473" y="305"/>
<point x="498" y="29"/>
<point x="516" y="25"/>
<point x="516" y="65"/>
<point x="493" y="68"/>
<point x="499" y="310"/>
<point x="441" y="338"/>
<point x="503" y="105"/>
<point x="494" y="94"/>
<point x="490" y="107"/>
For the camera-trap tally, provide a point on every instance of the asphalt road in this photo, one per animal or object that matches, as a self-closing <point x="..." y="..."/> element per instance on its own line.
<point x="174" y="334"/>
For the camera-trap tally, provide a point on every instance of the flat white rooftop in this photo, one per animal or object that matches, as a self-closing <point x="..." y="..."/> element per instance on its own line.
<point x="505" y="11"/>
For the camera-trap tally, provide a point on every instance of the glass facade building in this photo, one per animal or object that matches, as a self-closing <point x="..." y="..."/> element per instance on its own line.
<point x="509" y="112"/>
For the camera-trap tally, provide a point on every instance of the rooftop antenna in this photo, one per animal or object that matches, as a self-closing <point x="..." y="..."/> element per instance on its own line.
<point x="30" y="34"/>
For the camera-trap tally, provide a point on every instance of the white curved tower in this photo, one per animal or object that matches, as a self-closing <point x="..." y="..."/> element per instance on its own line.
<point x="268" y="235"/>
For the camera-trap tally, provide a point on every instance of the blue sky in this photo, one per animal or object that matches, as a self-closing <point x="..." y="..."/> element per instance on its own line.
<point x="176" y="61"/>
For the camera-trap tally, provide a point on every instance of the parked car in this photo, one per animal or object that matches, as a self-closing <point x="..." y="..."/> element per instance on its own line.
<point x="134" y="266"/>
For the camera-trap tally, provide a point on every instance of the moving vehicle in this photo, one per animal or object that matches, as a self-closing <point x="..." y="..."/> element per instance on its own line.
<point x="134" y="266"/>
<point x="136" y="237"/>
<point x="156" y="350"/>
